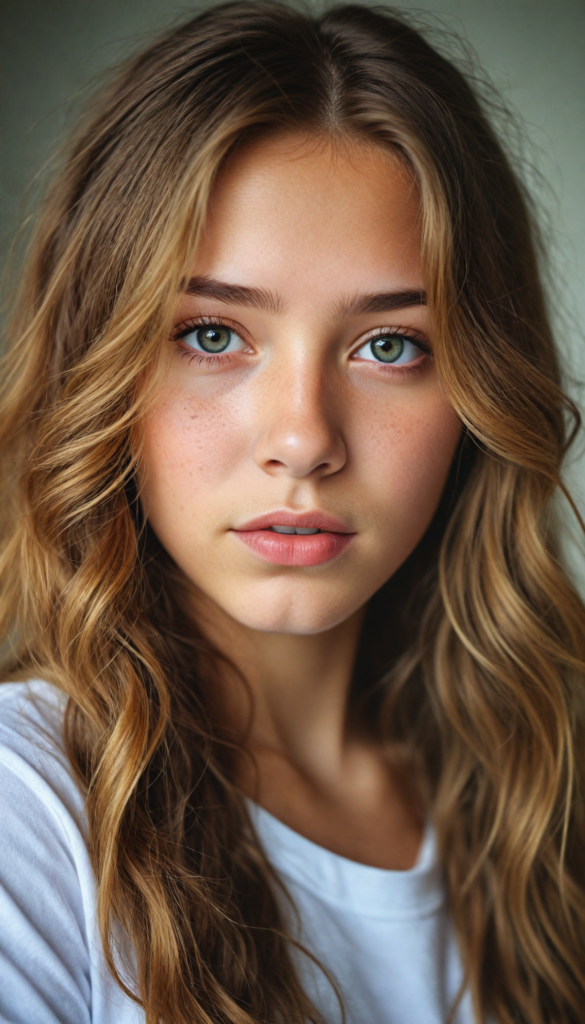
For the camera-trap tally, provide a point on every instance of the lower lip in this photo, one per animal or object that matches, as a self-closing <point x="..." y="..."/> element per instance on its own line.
<point x="295" y="548"/>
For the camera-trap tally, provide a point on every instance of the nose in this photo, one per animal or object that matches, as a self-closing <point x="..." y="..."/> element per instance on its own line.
<point x="300" y="433"/>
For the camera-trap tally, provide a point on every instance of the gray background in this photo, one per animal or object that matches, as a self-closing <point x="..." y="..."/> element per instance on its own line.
<point x="533" y="50"/>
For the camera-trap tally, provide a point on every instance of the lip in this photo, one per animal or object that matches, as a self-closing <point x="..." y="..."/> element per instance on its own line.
<point x="295" y="549"/>
<point x="315" y="520"/>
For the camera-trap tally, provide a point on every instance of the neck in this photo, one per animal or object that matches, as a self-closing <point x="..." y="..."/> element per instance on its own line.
<point x="299" y="687"/>
<point x="313" y="765"/>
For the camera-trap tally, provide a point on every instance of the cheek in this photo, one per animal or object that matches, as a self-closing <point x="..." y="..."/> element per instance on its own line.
<point x="405" y="452"/>
<point x="190" y="447"/>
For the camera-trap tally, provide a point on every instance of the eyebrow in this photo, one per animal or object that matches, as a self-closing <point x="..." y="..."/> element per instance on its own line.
<point x="238" y="294"/>
<point x="261" y="298"/>
<point x="381" y="302"/>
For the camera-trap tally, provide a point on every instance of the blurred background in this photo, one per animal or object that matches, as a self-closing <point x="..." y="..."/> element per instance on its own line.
<point x="52" y="53"/>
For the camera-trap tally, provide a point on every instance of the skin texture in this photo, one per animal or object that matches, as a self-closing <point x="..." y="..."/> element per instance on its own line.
<point x="300" y="416"/>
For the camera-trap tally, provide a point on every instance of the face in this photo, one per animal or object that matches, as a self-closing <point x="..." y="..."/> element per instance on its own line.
<point x="299" y="441"/>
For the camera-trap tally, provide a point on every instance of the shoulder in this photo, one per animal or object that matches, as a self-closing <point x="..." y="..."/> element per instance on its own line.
<point x="42" y="848"/>
<point x="51" y="965"/>
<point x="35" y="702"/>
<point x="32" y="753"/>
<point x="51" y="961"/>
<point x="30" y="711"/>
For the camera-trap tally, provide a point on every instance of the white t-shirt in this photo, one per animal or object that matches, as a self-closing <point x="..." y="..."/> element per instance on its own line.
<point x="384" y="935"/>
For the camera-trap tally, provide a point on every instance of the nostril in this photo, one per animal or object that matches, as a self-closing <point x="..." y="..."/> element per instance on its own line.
<point x="307" y="452"/>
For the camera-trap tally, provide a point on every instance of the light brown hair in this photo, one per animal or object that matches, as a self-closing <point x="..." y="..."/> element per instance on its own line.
<point x="484" y="689"/>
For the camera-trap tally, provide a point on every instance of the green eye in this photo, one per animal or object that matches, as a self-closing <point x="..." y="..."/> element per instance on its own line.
<point x="213" y="339"/>
<point x="387" y="347"/>
<point x="392" y="349"/>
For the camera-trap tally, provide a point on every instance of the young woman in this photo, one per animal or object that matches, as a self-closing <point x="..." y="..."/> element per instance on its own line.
<point x="292" y="727"/>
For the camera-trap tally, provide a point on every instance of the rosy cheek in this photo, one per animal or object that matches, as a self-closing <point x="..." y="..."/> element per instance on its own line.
<point x="406" y="454"/>
<point x="185" y="458"/>
<point x="191" y="444"/>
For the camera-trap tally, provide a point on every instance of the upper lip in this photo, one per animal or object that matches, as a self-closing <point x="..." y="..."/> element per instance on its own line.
<point x="315" y="520"/>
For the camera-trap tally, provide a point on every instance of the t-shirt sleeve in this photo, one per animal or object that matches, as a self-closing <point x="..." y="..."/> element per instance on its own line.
<point x="44" y="958"/>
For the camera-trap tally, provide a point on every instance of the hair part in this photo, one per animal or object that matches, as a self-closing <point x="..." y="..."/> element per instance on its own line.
<point x="484" y="689"/>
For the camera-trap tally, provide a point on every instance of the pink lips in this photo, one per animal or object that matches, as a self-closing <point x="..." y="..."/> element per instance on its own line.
<point x="295" y="549"/>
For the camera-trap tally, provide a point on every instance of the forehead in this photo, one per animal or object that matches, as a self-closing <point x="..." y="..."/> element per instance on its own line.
<point x="294" y="212"/>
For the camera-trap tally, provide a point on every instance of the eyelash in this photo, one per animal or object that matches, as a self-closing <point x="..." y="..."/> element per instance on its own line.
<point x="408" y="370"/>
<point x="188" y="326"/>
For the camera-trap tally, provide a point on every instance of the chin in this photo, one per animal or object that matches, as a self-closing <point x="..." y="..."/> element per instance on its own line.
<point x="295" y="615"/>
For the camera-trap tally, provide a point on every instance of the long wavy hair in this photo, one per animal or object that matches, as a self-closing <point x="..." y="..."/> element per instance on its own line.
<point x="482" y="683"/>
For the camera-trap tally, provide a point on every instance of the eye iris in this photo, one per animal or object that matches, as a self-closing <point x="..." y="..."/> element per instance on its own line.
<point x="213" y="339"/>
<point x="388" y="348"/>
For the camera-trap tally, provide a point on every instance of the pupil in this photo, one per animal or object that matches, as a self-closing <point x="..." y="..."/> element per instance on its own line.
<point x="213" y="339"/>
<point x="388" y="348"/>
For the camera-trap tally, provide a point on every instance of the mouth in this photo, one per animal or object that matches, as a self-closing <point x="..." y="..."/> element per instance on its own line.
<point x="295" y="538"/>
<point x="301" y="531"/>
<point x="284" y="521"/>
